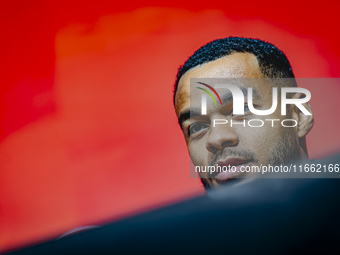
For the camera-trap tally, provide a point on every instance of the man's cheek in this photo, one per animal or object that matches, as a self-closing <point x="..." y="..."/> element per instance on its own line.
<point x="197" y="159"/>
<point x="198" y="156"/>
<point x="257" y="139"/>
<point x="198" y="151"/>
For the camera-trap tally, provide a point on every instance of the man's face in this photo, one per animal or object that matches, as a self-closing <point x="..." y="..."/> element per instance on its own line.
<point x="237" y="146"/>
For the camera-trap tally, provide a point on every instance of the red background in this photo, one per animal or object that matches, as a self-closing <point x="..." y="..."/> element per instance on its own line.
<point x="87" y="128"/>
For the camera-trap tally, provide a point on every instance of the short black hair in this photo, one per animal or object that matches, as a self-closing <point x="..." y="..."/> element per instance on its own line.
<point x="272" y="61"/>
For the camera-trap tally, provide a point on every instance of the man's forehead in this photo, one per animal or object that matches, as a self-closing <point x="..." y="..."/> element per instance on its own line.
<point x="237" y="65"/>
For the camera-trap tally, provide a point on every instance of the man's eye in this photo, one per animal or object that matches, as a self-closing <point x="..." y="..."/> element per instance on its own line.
<point x="246" y="108"/>
<point x="196" y="127"/>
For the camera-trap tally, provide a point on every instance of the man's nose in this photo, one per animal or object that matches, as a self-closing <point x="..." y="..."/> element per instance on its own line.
<point x="221" y="136"/>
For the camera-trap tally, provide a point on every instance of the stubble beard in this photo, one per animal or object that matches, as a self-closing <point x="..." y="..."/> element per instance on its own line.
<point x="286" y="151"/>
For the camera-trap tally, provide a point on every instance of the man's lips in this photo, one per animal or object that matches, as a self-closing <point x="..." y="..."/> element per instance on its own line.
<point x="230" y="167"/>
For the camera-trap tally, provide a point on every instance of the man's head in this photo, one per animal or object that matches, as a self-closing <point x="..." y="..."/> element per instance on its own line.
<point x="238" y="145"/>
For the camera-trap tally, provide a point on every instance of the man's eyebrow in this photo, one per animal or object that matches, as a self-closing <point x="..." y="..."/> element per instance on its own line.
<point x="227" y="97"/>
<point x="187" y="114"/>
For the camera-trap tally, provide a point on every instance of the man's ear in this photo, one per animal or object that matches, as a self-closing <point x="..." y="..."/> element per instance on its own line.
<point x="305" y="122"/>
